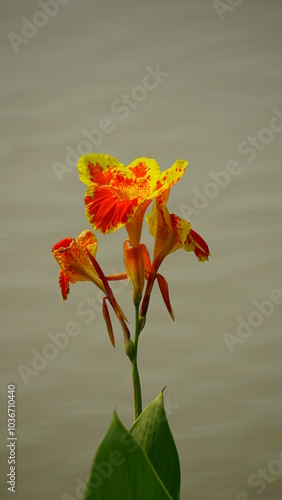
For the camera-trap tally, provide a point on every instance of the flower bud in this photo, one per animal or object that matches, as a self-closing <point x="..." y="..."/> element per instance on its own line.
<point x="128" y="347"/>
<point x="134" y="264"/>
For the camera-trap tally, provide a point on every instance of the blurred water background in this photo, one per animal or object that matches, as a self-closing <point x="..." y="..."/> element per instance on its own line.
<point x="200" y="80"/>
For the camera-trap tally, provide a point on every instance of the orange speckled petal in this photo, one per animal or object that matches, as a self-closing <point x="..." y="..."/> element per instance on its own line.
<point x="160" y="227"/>
<point x="172" y="175"/>
<point x="152" y="220"/>
<point x="196" y="244"/>
<point x="147" y="171"/>
<point x="98" y="168"/>
<point x="64" y="255"/>
<point x="181" y="228"/>
<point x="87" y="240"/>
<point x="107" y="209"/>
<point x="115" y="191"/>
<point x="74" y="260"/>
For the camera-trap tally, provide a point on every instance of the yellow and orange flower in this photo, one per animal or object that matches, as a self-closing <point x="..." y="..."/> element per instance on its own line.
<point x="73" y="258"/>
<point x="171" y="232"/>
<point x="77" y="262"/>
<point x="118" y="195"/>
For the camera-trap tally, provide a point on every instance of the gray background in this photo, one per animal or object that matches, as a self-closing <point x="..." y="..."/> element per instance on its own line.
<point x="223" y="80"/>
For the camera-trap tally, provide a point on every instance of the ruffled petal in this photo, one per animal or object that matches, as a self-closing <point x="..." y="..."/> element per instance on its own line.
<point x="73" y="258"/>
<point x="88" y="241"/>
<point x="171" y="232"/>
<point x="171" y="176"/>
<point x="147" y="174"/>
<point x="98" y="168"/>
<point x="181" y="229"/>
<point x="106" y="209"/>
<point x="116" y="192"/>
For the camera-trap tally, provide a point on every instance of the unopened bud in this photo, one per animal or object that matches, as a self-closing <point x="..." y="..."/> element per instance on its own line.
<point x="134" y="264"/>
<point x="142" y="321"/>
<point x="136" y="297"/>
<point x="128" y="347"/>
<point x="145" y="305"/>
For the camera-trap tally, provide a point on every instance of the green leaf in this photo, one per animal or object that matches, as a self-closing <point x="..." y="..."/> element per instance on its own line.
<point x="152" y="432"/>
<point x="122" y="470"/>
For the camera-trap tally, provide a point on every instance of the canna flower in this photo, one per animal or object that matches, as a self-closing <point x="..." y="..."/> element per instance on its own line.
<point x="171" y="232"/>
<point x="118" y="195"/>
<point x="74" y="261"/>
<point x="77" y="262"/>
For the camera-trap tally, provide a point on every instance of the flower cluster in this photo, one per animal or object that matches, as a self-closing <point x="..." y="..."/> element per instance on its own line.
<point x="116" y="196"/>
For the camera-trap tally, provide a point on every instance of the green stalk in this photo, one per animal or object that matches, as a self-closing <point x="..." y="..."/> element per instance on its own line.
<point x="135" y="373"/>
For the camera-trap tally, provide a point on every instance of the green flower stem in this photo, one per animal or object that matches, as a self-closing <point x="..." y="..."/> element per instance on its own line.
<point x="135" y="373"/>
<point x="136" y="390"/>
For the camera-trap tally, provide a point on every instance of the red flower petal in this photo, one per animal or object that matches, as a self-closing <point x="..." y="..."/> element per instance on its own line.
<point x="65" y="243"/>
<point x="115" y="191"/>
<point x="107" y="319"/>
<point x="106" y="210"/>
<point x="73" y="258"/>
<point x="64" y="284"/>
<point x="195" y="243"/>
<point x="165" y="294"/>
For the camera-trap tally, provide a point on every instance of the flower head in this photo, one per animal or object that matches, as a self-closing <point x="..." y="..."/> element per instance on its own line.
<point x="74" y="261"/>
<point x="171" y="232"/>
<point x="77" y="262"/>
<point x="118" y="195"/>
